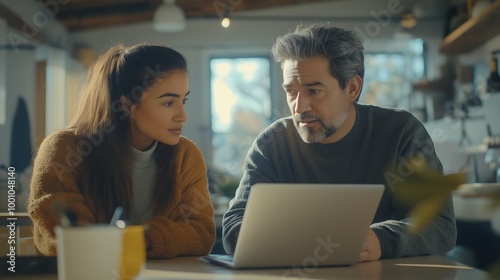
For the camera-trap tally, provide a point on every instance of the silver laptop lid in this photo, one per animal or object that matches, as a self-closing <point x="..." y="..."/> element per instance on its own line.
<point x="307" y="225"/>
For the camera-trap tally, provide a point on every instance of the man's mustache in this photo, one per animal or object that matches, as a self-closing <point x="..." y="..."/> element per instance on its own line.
<point x="305" y="117"/>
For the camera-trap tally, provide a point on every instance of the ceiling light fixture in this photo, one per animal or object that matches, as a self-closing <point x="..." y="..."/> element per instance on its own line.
<point x="226" y="21"/>
<point x="169" y="17"/>
<point x="408" y="20"/>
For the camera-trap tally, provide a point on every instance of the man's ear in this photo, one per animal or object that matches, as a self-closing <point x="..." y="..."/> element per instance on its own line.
<point x="353" y="88"/>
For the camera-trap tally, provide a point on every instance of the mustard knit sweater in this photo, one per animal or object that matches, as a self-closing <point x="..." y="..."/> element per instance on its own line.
<point x="186" y="229"/>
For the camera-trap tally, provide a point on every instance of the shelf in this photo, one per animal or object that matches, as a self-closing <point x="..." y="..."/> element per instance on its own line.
<point x="473" y="32"/>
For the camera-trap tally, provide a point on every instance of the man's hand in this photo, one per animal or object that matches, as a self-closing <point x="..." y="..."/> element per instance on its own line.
<point x="371" y="250"/>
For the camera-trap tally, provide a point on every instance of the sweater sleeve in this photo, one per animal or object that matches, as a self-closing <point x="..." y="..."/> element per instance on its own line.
<point x="189" y="228"/>
<point x="55" y="179"/>
<point x="440" y="235"/>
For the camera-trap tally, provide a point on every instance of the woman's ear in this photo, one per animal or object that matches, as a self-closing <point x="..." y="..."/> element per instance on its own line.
<point x="127" y="107"/>
<point x="354" y="88"/>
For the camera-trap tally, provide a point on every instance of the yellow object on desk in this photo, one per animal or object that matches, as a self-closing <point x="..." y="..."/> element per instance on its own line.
<point x="133" y="257"/>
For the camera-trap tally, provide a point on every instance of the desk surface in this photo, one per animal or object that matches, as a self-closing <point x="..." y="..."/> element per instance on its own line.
<point x="184" y="268"/>
<point x="428" y="267"/>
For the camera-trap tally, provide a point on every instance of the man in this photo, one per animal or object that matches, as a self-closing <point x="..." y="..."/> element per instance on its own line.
<point x="330" y="138"/>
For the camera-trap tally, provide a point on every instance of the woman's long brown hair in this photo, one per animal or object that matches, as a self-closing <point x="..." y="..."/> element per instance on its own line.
<point x="119" y="78"/>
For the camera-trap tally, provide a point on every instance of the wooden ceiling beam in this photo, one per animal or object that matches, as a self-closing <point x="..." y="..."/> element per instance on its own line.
<point x="79" y="5"/>
<point x="214" y="8"/>
<point x="85" y="23"/>
<point x="110" y="10"/>
<point x="14" y="21"/>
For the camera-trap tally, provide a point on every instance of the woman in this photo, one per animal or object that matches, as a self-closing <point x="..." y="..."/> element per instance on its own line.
<point x="124" y="148"/>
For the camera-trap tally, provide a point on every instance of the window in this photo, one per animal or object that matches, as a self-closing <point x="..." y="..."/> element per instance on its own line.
<point x="240" y="108"/>
<point x="389" y="76"/>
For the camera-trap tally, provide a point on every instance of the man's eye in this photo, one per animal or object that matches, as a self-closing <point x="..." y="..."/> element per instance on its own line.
<point x="314" y="91"/>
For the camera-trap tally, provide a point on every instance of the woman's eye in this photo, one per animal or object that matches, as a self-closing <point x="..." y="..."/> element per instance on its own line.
<point x="185" y="100"/>
<point x="169" y="103"/>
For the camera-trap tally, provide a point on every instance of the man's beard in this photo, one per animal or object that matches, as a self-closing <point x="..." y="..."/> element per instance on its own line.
<point x="315" y="135"/>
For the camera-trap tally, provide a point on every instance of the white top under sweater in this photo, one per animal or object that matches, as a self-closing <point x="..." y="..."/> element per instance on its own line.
<point x="143" y="172"/>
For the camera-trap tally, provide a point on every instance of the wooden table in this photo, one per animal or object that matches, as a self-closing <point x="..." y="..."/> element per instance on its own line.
<point x="184" y="268"/>
<point x="427" y="267"/>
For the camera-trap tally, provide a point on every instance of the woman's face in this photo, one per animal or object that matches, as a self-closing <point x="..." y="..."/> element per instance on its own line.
<point x="160" y="114"/>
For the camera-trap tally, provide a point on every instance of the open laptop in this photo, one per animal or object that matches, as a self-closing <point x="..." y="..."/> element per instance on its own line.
<point x="303" y="225"/>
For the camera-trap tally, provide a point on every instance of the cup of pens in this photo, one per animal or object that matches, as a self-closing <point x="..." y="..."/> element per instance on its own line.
<point x="99" y="251"/>
<point x="89" y="252"/>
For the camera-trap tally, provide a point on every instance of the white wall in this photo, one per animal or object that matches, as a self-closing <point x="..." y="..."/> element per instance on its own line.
<point x="3" y="69"/>
<point x="4" y="142"/>
<point x="17" y="79"/>
<point x="20" y="82"/>
<point x="19" y="53"/>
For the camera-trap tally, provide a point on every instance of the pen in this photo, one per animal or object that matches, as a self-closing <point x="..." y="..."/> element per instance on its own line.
<point x="117" y="219"/>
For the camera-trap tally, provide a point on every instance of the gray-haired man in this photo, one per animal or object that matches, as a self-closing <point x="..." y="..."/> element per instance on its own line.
<point x="330" y="138"/>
